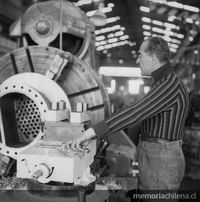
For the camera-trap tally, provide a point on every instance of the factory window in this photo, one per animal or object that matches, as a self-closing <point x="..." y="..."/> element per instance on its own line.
<point x="134" y="86"/>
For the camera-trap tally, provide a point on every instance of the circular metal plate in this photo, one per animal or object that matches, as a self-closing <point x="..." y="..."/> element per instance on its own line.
<point x="47" y="87"/>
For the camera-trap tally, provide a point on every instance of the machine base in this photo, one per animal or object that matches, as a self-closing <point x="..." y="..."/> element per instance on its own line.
<point x="56" y="189"/>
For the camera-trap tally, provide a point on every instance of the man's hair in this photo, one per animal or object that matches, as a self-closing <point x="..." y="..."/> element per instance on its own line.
<point x="159" y="47"/>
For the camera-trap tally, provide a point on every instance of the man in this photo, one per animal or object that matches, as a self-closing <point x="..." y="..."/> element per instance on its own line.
<point x="162" y="113"/>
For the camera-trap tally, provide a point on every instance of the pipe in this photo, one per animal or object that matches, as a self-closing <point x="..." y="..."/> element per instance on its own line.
<point x="81" y="195"/>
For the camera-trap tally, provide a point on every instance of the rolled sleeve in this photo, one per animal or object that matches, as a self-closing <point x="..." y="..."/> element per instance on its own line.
<point x="101" y="129"/>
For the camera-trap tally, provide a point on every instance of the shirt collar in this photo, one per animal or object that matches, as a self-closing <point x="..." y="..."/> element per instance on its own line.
<point x="162" y="71"/>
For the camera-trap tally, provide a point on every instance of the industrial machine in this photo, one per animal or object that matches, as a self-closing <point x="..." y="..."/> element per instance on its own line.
<point x="50" y="93"/>
<point x="40" y="66"/>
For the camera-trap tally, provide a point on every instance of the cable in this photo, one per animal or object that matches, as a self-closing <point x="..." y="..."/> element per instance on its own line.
<point x="61" y="23"/>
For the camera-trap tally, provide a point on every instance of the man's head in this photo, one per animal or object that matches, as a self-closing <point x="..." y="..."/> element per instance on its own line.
<point x="153" y="53"/>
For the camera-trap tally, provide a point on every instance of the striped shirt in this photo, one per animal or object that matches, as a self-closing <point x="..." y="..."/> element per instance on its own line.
<point x="162" y="111"/>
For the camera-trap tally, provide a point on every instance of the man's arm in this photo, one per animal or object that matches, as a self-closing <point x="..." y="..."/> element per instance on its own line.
<point x="154" y="102"/>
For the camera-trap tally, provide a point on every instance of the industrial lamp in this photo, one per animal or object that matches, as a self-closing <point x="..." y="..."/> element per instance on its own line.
<point x="99" y="18"/>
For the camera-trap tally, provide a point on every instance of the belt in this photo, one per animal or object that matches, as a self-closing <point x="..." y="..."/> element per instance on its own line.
<point x="159" y="144"/>
<point x="155" y="140"/>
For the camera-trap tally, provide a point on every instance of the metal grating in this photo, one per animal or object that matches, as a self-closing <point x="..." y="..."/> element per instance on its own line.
<point x="28" y="118"/>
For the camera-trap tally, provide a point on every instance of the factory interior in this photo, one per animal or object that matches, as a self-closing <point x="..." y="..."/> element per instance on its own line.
<point x="68" y="64"/>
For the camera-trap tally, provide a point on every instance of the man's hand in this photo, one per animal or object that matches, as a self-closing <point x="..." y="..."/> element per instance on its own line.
<point x="81" y="142"/>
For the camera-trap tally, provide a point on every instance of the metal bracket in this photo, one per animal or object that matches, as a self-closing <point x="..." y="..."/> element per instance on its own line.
<point x="56" y="67"/>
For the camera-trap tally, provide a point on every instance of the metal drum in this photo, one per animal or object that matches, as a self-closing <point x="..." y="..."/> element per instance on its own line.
<point x="26" y="93"/>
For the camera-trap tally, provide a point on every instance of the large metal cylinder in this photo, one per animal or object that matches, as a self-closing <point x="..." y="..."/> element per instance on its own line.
<point x="58" y="24"/>
<point x="26" y="93"/>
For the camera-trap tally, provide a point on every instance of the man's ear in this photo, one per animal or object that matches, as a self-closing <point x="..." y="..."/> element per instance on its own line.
<point x="154" y="59"/>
